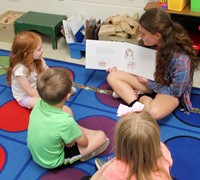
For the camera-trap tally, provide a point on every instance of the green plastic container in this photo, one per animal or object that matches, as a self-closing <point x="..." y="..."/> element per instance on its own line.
<point x="195" y="5"/>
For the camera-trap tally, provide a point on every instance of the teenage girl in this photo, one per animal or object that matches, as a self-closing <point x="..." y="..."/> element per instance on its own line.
<point x="176" y="63"/>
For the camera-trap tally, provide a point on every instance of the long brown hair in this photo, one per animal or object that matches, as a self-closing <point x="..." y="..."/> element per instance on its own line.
<point x="137" y="144"/>
<point x="174" y="39"/>
<point x="23" y="46"/>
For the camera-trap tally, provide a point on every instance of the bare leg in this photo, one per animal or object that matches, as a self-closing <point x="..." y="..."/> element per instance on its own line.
<point x="96" y="138"/>
<point x="161" y="106"/>
<point x="125" y="84"/>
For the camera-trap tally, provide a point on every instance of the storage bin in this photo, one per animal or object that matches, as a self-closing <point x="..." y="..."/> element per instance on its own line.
<point x="7" y="25"/>
<point x="195" y="5"/>
<point x="177" y="5"/>
<point x="77" y="50"/>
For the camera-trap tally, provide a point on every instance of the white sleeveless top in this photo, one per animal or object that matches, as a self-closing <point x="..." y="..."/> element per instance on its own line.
<point x="21" y="70"/>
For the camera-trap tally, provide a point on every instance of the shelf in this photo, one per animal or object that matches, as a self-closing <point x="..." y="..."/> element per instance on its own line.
<point x="186" y="11"/>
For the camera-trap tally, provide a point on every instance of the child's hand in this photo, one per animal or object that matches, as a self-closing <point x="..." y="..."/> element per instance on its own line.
<point x="111" y="69"/>
<point x="71" y="144"/>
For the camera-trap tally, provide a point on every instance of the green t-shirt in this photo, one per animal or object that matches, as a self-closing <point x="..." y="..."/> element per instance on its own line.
<point x="49" y="130"/>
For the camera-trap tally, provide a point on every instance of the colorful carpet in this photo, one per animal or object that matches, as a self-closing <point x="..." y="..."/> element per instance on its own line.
<point x="93" y="108"/>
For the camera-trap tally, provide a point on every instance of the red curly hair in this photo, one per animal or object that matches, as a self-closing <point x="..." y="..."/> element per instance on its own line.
<point x="23" y="46"/>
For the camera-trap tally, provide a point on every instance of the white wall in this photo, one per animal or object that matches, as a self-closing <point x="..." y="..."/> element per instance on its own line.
<point x="99" y="9"/>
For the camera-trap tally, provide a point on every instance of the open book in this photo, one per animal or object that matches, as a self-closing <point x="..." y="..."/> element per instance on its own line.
<point x="128" y="57"/>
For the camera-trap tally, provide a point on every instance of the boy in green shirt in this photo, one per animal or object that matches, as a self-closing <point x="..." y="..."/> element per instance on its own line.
<point x="54" y="137"/>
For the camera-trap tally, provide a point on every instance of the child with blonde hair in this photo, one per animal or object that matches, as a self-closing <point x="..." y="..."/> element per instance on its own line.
<point x="26" y="63"/>
<point x="139" y="153"/>
<point x="54" y="137"/>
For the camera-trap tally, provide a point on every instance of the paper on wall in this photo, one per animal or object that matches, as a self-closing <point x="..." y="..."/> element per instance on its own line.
<point x="128" y="57"/>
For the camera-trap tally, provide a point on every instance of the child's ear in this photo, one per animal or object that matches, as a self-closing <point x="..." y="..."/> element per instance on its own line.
<point x="68" y="96"/>
<point x="158" y="35"/>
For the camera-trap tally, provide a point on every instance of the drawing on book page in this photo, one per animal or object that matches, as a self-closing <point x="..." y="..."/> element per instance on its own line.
<point x="102" y="63"/>
<point x="137" y="60"/>
<point x="129" y="58"/>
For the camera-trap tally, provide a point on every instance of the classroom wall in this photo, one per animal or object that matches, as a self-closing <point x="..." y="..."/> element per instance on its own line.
<point x="99" y="9"/>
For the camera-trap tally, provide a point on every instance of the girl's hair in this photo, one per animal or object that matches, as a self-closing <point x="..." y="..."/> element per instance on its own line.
<point x="137" y="143"/>
<point x="23" y="46"/>
<point x="54" y="84"/>
<point x="174" y="39"/>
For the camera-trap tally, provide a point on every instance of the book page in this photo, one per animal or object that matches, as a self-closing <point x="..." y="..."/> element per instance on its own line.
<point x="128" y="57"/>
<point x="74" y="28"/>
<point x="103" y="54"/>
<point x="68" y="33"/>
<point x="139" y="60"/>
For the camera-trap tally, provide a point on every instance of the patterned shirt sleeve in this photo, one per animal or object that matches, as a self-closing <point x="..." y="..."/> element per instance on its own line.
<point x="178" y="75"/>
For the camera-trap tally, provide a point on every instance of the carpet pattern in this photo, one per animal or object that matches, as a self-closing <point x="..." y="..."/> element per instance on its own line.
<point x="93" y="108"/>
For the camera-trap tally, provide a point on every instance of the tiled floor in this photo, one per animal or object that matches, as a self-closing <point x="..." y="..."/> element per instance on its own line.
<point x="62" y="54"/>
